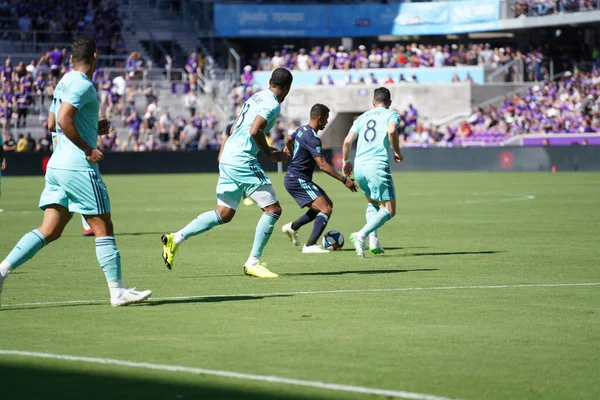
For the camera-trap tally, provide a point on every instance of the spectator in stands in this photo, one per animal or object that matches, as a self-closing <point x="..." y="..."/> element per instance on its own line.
<point x="22" y="144"/>
<point x="193" y="70"/>
<point x="134" y="124"/>
<point x="209" y="137"/>
<point x="110" y="141"/>
<point x="56" y="61"/>
<point x="6" y="72"/>
<point x="247" y="77"/>
<point x="23" y="102"/>
<point x="189" y="136"/>
<point x="9" y="143"/>
<point x="264" y="62"/>
<point x="30" y="142"/>
<point x="176" y="132"/>
<point x="151" y="144"/>
<point x="190" y="102"/>
<point x="277" y="61"/>
<point x="105" y="86"/>
<point x="164" y="129"/>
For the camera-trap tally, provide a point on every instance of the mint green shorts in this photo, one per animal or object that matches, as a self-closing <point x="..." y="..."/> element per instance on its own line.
<point x="234" y="181"/>
<point x="82" y="192"/>
<point x="375" y="181"/>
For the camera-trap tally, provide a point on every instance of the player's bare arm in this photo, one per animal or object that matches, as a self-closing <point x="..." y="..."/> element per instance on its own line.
<point x="346" y="148"/>
<point x="257" y="132"/>
<point x="66" y="121"/>
<point x="329" y="170"/>
<point x="51" y="122"/>
<point x="289" y="145"/>
<point x="395" y="141"/>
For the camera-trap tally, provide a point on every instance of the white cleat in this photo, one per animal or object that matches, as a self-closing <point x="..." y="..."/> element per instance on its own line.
<point x="358" y="240"/>
<point x="292" y="234"/>
<point x="314" y="249"/>
<point x="130" y="296"/>
<point x="374" y="246"/>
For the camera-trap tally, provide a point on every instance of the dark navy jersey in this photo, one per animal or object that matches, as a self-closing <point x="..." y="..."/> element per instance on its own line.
<point x="307" y="146"/>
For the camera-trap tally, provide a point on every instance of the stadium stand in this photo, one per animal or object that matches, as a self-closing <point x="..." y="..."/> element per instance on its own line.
<point x="168" y="80"/>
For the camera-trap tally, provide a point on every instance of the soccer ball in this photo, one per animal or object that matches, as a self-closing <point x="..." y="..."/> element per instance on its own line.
<point x="333" y="240"/>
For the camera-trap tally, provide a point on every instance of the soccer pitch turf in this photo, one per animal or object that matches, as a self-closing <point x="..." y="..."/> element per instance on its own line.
<point x="489" y="289"/>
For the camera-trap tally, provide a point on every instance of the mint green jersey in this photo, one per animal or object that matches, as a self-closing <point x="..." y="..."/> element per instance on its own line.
<point x="372" y="129"/>
<point x="240" y="148"/>
<point x="78" y="90"/>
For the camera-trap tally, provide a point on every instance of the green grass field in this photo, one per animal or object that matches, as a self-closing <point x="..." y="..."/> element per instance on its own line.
<point x="477" y="297"/>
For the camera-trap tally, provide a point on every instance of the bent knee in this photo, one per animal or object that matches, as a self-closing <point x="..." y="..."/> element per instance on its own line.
<point x="274" y="209"/>
<point x="327" y="209"/>
<point x="226" y="216"/>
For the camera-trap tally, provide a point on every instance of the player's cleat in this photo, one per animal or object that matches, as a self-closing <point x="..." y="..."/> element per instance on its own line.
<point x="259" y="271"/>
<point x="375" y="247"/>
<point x="87" y="232"/>
<point x="292" y="234"/>
<point x="169" y="249"/>
<point x="358" y="240"/>
<point x="314" y="249"/>
<point x="130" y="296"/>
<point x="248" y="201"/>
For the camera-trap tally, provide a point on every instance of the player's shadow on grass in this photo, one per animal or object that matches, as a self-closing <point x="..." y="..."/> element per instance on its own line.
<point x="117" y="234"/>
<point x="213" y="299"/>
<point x="103" y="383"/>
<point x="361" y="272"/>
<point x="453" y="253"/>
<point x="389" y="248"/>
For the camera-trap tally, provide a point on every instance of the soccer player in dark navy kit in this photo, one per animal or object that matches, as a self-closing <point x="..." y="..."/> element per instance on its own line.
<point x="304" y="146"/>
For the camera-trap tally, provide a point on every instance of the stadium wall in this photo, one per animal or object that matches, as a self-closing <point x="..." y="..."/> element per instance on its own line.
<point x="576" y="158"/>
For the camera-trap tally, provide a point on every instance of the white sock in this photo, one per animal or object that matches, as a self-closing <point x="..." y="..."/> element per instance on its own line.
<point x="4" y="269"/>
<point x="179" y="238"/>
<point x="252" y="260"/>
<point x="373" y="241"/>
<point x="115" y="288"/>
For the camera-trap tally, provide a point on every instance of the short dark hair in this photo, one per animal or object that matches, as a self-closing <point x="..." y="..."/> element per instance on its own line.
<point x="83" y="48"/>
<point x="382" y="96"/>
<point x="319" y="110"/>
<point x="281" y="78"/>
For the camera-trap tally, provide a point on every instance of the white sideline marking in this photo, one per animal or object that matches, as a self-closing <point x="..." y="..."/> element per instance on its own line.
<point x="229" y="374"/>
<point x="533" y="285"/>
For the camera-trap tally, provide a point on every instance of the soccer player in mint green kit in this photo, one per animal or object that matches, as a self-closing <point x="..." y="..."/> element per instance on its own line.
<point x="239" y="172"/>
<point x="73" y="181"/>
<point x="376" y="131"/>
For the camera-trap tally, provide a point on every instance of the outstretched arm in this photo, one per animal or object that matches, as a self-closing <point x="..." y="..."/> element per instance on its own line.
<point x="350" y="138"/>
<point x="66" y="121"/>
<point x="289" y="144"/>
<point x="395" y="140"/>
<point x="258" y="134"/>
<point x="329" y="170"/>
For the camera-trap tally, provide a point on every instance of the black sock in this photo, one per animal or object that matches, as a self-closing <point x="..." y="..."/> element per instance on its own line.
<point x="303" y="220"/>
<point x="318" y="228"/>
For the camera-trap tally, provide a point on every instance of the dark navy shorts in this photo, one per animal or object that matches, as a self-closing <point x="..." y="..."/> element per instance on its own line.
<point x="303" y="191"/>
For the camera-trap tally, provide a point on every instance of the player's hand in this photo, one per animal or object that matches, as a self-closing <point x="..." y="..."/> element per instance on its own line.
<point x="94" y="156"/>
<point x="103" y="127"/>
<point x="278" y="156"/>
<point x="287" y="151"/>
<point x="3" y="164"/>
<point x="398" y="157"/>
<point x="348" y="168"/>
<point x="350" y="184"/>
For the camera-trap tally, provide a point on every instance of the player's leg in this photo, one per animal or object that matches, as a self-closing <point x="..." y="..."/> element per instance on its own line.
<point x="324" y="207"/>
<point x="56" y="218"/>
<point x="264" y="196"/>
<point x="88" y="196"/>
<point x="380" y="189"/>
<point x="87" y="230"/>
<point x="228" y="198"/>
<point x="109" y="258"/>
<point x="374" y="245"/>
<point x="304" y="199"/>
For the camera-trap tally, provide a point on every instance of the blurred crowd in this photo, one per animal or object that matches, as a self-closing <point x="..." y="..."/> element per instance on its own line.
<point x="525" y="8"/>
<point x="56" y="21"/>
<point x="570" y="105"/>
<point x="400" y="56"/>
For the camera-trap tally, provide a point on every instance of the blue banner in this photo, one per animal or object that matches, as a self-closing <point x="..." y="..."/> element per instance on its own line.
<point x="438" y="18"/>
